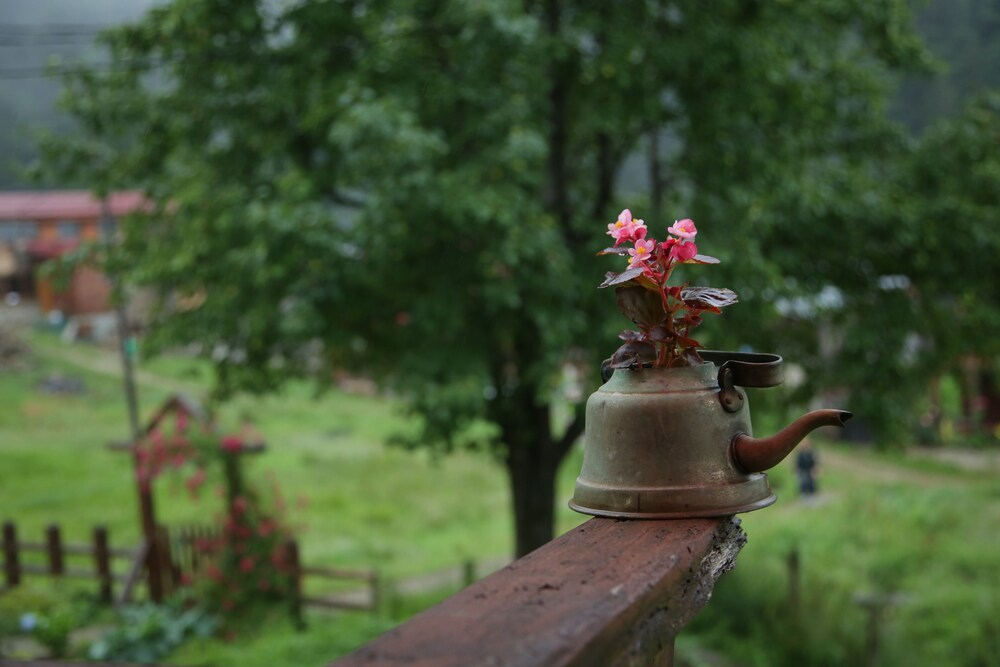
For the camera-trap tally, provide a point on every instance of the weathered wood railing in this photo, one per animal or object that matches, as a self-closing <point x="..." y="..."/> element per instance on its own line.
<point x="607" y="594"/>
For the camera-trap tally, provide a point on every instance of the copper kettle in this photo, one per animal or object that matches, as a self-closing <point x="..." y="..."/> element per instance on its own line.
<point x="677" y="442"/>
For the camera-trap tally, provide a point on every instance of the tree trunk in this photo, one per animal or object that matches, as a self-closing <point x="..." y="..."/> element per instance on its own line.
<point x="532" y="472"/>
<point x="532" y="457"/>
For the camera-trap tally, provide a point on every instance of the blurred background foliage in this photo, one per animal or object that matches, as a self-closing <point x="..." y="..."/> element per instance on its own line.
<point x="416" y="190"/>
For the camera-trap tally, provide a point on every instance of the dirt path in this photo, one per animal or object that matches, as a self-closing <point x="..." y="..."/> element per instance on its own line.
<point x="863" y="467"/>
<point x="107" y="362"/>
<point x="973" y="460"/>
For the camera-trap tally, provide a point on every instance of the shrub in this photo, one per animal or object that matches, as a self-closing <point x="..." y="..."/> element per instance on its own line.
<point x="147" y="632"/>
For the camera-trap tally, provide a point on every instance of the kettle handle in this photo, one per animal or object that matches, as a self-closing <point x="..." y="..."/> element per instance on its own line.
<point x="747" y="369"/>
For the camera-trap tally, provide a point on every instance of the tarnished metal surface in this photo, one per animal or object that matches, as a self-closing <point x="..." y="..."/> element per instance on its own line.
<point x="658" y="441"/>
<point x="749" y="369"/>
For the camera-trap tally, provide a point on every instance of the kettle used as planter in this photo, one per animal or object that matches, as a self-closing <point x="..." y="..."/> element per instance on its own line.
<point x="676" y="442"/>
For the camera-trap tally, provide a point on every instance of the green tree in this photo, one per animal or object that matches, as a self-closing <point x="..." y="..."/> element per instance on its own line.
<point x="965" y="36"/>
<point x="418" y="189"/>
<point x="954" y="275"/>
<point x="957" y="173"/>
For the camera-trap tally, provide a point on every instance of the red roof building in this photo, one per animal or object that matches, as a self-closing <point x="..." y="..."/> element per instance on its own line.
<point x="37" y="226"/>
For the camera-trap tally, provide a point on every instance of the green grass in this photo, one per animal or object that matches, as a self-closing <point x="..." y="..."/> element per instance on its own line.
<point x="270" y="639"/>
<point x="885" y="524"/>
<point x="357" y="502"/>
<point x="925" y="535"/>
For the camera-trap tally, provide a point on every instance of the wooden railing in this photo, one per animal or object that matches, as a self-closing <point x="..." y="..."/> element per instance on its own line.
<point x="607" y="594"/>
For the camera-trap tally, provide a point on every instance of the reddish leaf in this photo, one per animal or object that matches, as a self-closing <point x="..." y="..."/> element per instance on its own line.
<point x="658" y="334"/>
<point x="708" y="297"/>
<point x="693" y="357"/>
<point x="648" y="283"/>
<point x="684" y="341"/>
<point x="619" y="250"/>
<point x="631" y="336"/>
<point x="612" y="278"/>
<point x="633" y="354"/>
<point x="640" y="305"/>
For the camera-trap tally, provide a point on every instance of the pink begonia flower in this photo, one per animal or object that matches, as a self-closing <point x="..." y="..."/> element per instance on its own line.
<point x="626" y="228"/>
<point x="684" y="229"/>
<point x="683" y="252"/>
<point x="642" y="251"/>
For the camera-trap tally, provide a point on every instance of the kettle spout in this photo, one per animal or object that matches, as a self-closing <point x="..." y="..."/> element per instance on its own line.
<point x="760" y="454"/>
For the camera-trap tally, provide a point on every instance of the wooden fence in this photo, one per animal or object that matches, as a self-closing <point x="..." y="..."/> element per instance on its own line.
<point x="57" y="555"/>
<point x="185" y="556"/>
<point x="299" y="572"/>
<point x="180" y="554"/>
<point x="186" y="553"/>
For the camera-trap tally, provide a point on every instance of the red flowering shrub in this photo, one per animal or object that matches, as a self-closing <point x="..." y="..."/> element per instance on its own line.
<point x="246" y="560"/>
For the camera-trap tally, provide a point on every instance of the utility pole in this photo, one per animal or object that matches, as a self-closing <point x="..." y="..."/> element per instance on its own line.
<point x="126" y="349"/>
<point x="126" y="343"/>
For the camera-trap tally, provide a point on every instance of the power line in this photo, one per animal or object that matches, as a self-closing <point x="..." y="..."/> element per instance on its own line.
<point x="34" y="40"/>
<point x="111" y="67"/>
<point x="15" y="73"/>
<point x="53" y="29"/>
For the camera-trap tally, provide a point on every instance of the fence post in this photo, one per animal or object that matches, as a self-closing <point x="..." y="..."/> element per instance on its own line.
<point x="376" y="584"/>
<point x="794" y="579"/>
<point x="168" y="575"/>
<point x="11" y="567"/>
<point x="295" y="582"/>
<point x="873" y="632"/>
<point x="102" y="562"/>
<point x="469" y="572"/>
<point x="53" y="540"/>
<point x="147" y="516"/>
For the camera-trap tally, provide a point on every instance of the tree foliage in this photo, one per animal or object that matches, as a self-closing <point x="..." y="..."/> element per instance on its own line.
<point x="418" y="189"/>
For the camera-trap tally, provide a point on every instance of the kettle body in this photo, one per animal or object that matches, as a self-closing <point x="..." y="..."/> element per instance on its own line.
<point x="678" y="442"/>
